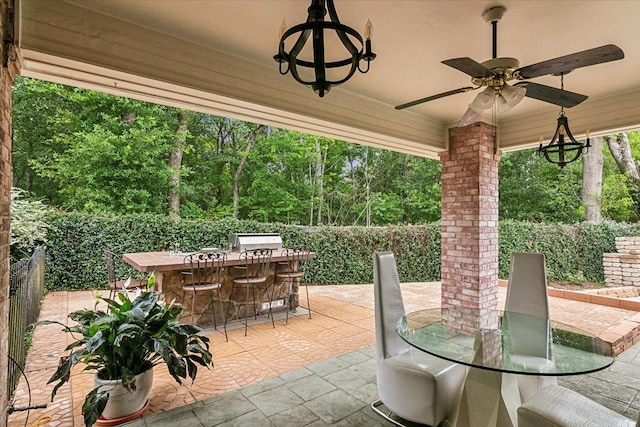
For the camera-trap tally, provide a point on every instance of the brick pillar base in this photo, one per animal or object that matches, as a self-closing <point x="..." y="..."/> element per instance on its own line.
<point x="469" y="263"/>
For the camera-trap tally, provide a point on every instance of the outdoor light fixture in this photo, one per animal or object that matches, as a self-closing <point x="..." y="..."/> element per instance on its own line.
<point x="338" y="37"/>
<point x="559" y="151"/>
<point x="504" y="97"/>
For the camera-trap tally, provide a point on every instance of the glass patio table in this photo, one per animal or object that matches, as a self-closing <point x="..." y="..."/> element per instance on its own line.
<point x="496" y="345"/>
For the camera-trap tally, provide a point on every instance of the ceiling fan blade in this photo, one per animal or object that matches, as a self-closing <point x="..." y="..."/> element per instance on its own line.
<point x="432" y="97"/>
<point x="469" y="66"/>
<point x="566" y="63"/>
<point x="563" y="98"/>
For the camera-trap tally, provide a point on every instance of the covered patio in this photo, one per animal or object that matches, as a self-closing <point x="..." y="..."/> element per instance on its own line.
<point x="318" y="371"/>
<point x="216" y="57"/>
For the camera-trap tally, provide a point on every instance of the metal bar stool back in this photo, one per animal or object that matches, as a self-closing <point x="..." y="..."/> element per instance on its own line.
<point x="204" y="273"/>
<point x="291" y="272"/>
<point x="255" y="266"/>
<point x="115" y="284"/>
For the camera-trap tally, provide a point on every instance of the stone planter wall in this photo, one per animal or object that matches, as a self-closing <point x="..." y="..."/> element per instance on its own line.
<point x="623" y="267"/>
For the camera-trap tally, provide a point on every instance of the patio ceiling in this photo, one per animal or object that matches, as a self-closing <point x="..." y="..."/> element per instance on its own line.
<point x="216" y="57"/>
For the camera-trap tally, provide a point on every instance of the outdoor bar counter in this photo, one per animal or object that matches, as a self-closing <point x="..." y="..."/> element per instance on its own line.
<point x="168" y="272"/>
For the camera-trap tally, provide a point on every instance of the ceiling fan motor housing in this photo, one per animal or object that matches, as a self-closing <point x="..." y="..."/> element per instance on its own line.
<point x="501" y="71"/>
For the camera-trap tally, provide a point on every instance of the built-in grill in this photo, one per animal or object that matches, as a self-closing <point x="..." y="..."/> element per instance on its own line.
<point x="247" y="241"/>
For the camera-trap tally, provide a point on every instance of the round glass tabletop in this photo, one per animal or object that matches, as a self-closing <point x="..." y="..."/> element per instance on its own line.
<point x="505" y="341"/>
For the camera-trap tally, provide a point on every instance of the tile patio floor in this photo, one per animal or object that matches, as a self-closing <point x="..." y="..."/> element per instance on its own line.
<point x="312" y="372"/>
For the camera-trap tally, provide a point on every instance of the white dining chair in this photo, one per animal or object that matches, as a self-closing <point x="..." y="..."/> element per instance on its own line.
<point x="558" y="406"/>
<point x="530" y="340"/>
<point x="412" y="384"/>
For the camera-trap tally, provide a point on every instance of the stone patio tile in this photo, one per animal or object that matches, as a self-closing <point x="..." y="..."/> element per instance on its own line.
<point x="262" y="386"/>
<point x="355" y="376"/>
<point x="276" y="400"/>
<point x="182" y="418"/>
<point x="253" y="418"/>
<point x="294" y="417"/>
<point x="228" y="408"/>
<point x="363" y="418"/>
<point x="368" y="393"/>
<point x="295" y="375"/>
<point x="327" y="366"/>
<point x="590" y="386"/>
<point x="354" y="357"/>
<point x="334" y="406"/>
<point x="310" y="387"/>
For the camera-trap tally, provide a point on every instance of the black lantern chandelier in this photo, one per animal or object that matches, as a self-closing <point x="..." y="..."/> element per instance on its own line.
<point x="561" y="151"/>
<point x="316" y="27"/>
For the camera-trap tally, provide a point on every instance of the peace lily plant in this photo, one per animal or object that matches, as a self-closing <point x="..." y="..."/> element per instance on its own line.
<point x="127" y="339"/>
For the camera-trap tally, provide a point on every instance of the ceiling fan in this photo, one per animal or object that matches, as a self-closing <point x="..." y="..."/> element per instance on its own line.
<point x="495" y="74"/>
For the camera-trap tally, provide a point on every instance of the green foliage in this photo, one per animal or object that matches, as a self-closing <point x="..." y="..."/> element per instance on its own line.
<point x="617" y="199"/>
<point x="532" y="189"/>
<point x="28" y="224"/>
<point x="619" y="193"/>
<point x="112" y="167"/>
<point x="93" y="152"/>
<point x="343" y="254"/>
<point x="76" y="242"/>
<point x="127" y="339"/>
<point x="573" y="252"/>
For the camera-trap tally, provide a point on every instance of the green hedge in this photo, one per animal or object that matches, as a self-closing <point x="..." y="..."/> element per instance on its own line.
<point x="573" y="252"/>
<point x="76" y="241"/>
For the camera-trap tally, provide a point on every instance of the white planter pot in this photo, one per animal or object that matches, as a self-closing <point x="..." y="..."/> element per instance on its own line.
<point x="123" y="402"/>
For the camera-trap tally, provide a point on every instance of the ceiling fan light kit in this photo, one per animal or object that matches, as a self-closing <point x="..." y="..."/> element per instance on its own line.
<point x="504" y="98"/>
<point x="358" y="50"/>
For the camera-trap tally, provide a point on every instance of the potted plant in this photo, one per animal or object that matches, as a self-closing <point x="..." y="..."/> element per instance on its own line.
<point x="122" y="345"/>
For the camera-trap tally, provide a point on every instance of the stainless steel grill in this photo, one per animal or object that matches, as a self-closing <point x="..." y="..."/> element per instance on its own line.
<point x="247" y="241"/>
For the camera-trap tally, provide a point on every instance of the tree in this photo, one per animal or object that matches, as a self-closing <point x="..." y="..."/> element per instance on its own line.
<point x="251" y="140"/>
<point x="620" y="148"/>
<point x="90" y="151"/>
<point x="592" y="166"/>
<point x="532" y="189"/>
<point x="175" y="163"/>
<point x="28" y="224"/>
<point x="41" y="111"/>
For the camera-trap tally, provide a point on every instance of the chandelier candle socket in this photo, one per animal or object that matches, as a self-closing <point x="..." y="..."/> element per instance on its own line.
<point x="351" y="41"/>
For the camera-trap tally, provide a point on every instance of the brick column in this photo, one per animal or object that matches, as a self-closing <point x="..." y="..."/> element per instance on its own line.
<point x="7" y="74"/>
<point x="469" y="263"/>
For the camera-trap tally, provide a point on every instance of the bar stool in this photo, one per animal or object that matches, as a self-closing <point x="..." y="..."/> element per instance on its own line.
<point x="115" y="285"/>
<point x="255" y="266"/>
<point x="296" y="258"/>
<point x="204" y="274"/>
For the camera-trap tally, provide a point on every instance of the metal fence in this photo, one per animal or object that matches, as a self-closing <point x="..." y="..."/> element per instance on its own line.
<point x="26" y="287"/>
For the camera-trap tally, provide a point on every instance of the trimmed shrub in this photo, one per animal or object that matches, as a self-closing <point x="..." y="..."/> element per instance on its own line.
<point x="343" y="254"/>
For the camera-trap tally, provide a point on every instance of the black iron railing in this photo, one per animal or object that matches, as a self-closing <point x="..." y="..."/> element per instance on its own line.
<point x="26" y="287"/>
